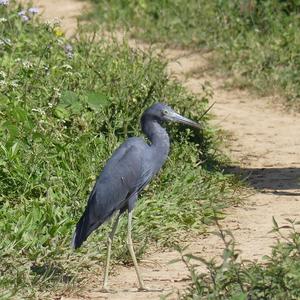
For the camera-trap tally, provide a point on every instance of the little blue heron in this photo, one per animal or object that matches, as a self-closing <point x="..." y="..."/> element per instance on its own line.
<point x="125" y="175"/>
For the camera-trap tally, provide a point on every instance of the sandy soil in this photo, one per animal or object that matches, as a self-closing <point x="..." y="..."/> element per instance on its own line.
<point x="264" y="144"/>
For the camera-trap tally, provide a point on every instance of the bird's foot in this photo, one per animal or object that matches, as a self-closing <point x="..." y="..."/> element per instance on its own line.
<point x="146" y="289"/>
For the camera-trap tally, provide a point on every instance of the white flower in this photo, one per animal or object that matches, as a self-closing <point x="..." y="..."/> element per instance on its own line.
<point x="14" y="83"/>
<point x="27" y="64"/>
<point x="2" y="74"/>
<point x="6" y="42"/>
<point x="39" y="110"/>
<point x="3" y="83"/>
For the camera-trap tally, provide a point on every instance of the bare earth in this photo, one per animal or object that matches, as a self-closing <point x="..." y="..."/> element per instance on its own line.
<point x="264" y="143"/>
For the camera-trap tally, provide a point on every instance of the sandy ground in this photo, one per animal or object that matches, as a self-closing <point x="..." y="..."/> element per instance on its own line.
<point x="264" y="144"/>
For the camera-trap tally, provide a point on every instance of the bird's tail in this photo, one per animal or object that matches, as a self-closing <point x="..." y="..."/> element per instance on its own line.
<point x="83" y="230"/>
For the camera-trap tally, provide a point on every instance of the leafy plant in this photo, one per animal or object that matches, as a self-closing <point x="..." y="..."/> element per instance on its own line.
<point x="276" y="278"/>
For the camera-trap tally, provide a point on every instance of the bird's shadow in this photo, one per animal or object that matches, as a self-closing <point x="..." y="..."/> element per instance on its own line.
<point x="280" y="181"/>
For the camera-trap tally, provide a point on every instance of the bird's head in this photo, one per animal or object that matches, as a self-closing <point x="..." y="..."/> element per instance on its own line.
<point x="162" y="112"/>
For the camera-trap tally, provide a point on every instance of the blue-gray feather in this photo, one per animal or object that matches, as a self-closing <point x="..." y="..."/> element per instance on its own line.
<point x="128" y="171"/>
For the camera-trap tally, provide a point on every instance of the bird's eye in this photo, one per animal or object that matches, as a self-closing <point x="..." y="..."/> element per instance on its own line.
<point x="164" y="112"/>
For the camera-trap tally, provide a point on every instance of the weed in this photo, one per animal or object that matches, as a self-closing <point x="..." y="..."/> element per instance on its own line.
<point x="276" y="278"/>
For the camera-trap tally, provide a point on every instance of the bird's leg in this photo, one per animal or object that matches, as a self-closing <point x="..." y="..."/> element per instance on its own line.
<point x="131" y="250"/>
<point x="109" y="243"/>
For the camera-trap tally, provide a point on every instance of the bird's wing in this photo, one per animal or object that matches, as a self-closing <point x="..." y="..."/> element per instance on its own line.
<point x="135" y="172"/>
<point x="121" y="179"/>
<point x="144" y="179"/>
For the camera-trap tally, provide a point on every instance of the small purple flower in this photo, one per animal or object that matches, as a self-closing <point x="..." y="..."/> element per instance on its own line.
<point x="68" y="48"/>
<point x="4" y="2"/>
<point x="33" y="10"/>
<point x="69" y="51"/>
<point x="24" y="18"/>
<point x="21" y="13"/>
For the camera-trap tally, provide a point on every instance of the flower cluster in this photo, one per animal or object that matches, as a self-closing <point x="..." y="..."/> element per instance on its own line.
<point x="26" y="15"/>
<point x="4" y="2"/>
<point x="69" y="50"/>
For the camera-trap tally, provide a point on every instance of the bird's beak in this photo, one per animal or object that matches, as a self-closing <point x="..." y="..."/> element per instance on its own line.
<point x="180" y="119"/>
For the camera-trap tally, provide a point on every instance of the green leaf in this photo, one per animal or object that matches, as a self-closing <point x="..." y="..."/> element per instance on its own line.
<point x="61" y="112"/>
<point x="68" y="98"/>
<point x="12" y="130"/>
<point x="275" y="223"/>
<point x="97" y="100"/>
<point x="3" y="100"/>
<point x="3" y="149"/>
<point x="14" y="148"/>
<point x="20" y="114"/>
<point x="241" y="296"/>
<point x="69" y="104"/>
<point x="37" y="136"/>
<point x="76" y="107"/>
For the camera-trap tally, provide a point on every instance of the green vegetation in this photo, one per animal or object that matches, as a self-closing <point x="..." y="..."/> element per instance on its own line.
<point x="277" y="278"/>
<point x="63" y="110"/>
<point x="257" y="41"/>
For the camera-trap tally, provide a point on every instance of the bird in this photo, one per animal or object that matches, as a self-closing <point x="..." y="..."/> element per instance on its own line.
<point x="129" y="170"/>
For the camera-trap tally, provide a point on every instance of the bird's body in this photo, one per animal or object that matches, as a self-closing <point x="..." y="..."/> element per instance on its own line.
<point x="130" y="168"/>
<point x="124" y="176"/>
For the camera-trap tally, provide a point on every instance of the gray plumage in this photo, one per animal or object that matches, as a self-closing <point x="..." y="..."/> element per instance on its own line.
<point x="128" y="171"/>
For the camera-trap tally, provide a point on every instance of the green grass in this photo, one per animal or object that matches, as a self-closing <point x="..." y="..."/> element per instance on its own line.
<point x="277" y="277"/>
<point x="62" y="113"/>
<point x="257" y="42"/>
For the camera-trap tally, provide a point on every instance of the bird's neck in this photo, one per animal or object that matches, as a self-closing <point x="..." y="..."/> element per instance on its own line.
<point x="157" y="135"/>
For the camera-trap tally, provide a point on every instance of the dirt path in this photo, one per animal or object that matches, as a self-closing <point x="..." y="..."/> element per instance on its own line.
<point x="264" y="142"/>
